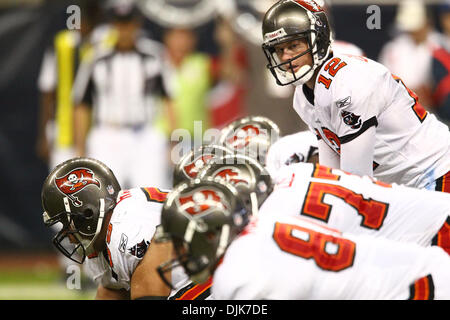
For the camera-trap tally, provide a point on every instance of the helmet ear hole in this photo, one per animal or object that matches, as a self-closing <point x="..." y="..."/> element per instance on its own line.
<point x="248" y="203"/>
<point x="211" y="235"/>
<point x="88" y="213"/>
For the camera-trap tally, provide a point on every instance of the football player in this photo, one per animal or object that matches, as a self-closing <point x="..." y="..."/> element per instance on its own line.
<point x="251" y="136"/>
<point x="367" y="120"/>
<point x="361" y="205"/>
<point x="344" y="201"/>
<point x="211" y="237"/>
<point x="249" y="178"/>
<point x="245" y="173"/>
<point x="111" y="231"/>
<point x="293" y="148"/>
<point x="191" y="163"/>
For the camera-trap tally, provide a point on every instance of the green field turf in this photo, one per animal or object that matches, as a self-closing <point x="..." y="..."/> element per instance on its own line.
<point x="37" y="284"/>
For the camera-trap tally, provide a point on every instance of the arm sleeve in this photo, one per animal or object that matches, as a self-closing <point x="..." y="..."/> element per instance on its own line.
<point x="327" y="156"/>
<point x="272" y="161"/>
<point x="361" y="97"/>
<point x="154" y="82"/>
<point x="155" y="86"/>
<point x="47" y="76"/>
<point x="83" y="88"/>
<point x="357" y="155"/>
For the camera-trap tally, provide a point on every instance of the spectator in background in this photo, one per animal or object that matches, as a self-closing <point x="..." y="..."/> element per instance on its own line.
<point x="118" y="95"/>
<point x="187" y="76"/>
<point x="444" y="21"/>
<point x="409" y="54"/>
<point x="441" y="83"/>
<point x="339" y="46"/>
<point x="441" y="67"/>
<point x="54" y="136"/>
<point x="230" y="76"/>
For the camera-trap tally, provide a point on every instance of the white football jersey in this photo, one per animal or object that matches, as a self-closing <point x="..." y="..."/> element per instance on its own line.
<point x="359" y="205"/>
<point x="185" y="289"/>
<point x="293" y="148"/>
<point x="292" y="258"/>
<point x="130" y="231"/>
<point x="354" y="93"/>
<point x="340" y="46"/>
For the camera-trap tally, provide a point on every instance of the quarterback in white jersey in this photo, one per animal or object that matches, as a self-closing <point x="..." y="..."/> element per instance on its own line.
<point x="319" y="263"/>
<point x="367" y="121"/>
<point x="297" y="147"/>
<point x="361" y="205"/>
<point x="387" y="127"/>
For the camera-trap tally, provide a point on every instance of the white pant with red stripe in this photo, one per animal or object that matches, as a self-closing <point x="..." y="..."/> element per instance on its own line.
<point x="138" y="157"/>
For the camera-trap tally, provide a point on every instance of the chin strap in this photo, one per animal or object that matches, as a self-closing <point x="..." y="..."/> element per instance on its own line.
<point x="223" y="241"/>
<point x="67" y="207"/>
<point x="190" y="229"/>
<point x="254" y="201"/>
<point x="89" y="248"/>
<point x="101" y="215"/>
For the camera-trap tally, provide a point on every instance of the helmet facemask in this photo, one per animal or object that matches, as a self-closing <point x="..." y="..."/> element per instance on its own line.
<point x="284" y="72"/>
<point x="200" y="251"/>
<point x="73" y="240"/>
<point x="199" y="241"/>
<point x="318" y="38"/>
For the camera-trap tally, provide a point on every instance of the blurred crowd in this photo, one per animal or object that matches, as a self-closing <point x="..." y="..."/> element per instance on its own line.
<point x="419" y="54"/>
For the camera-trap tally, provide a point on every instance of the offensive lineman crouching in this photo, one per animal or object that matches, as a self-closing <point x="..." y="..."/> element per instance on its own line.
<point x="244" y="256"/>
<point x="109" y="229"/>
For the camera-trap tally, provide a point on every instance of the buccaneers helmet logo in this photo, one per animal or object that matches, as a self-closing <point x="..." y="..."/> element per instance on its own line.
<point x="201" y="201"/>
<point x="243" y="136"/>
<point x="231" y="175"/>
<point x="311" y="5"/>
<point x="192" y="169"/>
<point x="75" y="181"/>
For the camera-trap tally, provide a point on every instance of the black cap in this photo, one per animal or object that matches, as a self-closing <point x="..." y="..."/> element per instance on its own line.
<point x="124" y="12"/>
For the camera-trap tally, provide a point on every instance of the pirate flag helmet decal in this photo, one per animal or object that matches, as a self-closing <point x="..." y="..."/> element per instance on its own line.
<point x="76" y="195"/>
<point x="191" y="163"/>
<point x="251" y="136"/>
<point x="246" y="174"/>
<point x="75" y="181"/>
<point x="201" y="218"/>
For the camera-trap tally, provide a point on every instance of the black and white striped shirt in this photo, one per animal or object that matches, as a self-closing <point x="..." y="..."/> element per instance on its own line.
<point x="123" y="88"/>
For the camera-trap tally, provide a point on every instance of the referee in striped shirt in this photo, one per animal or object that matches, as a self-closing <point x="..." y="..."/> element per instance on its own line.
<point x="119" y="95"/>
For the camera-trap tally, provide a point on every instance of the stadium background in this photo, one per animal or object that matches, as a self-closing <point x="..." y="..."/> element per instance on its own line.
<point x="27" y="262"/>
